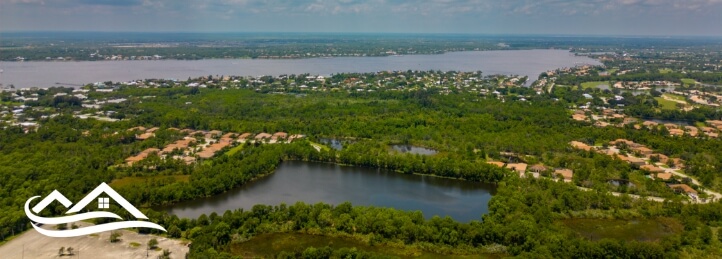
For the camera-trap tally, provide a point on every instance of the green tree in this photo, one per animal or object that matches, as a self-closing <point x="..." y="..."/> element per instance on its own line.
<point x="153" y="243"/>
<point x="115" y="236"/>
<point x="174" y="232"/>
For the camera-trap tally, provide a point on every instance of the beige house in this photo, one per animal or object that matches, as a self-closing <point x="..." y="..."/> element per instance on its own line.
<point x="566" y="174"/>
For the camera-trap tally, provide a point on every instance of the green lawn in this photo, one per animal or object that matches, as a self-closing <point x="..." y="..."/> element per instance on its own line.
<point x="268" y="245"/>
<point x="234" y="150"/>
<point x="688" y="81"/>
<point x="676" y="97"/>
<point x="321" y="146"/>
<point x="594" y="84"/>
<point x="648" y="230"/>
<point x="666" y="104"/>
<point x="665" y="70"/>
<point x="612" y="71"/>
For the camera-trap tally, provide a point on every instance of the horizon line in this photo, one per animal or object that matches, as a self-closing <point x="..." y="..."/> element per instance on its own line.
<point x="372" y="33"/>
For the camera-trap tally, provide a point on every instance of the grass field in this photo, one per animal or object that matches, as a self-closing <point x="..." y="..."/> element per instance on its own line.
<point x="666" y="104"/>
<point x="268" y="245"/>
<point x="665" y="70"/>
<point x="676" y="97"/>
<point x="320" y="146"/>
<point x="649" y="230"/>
<point x="688" y="81"/>
<point x="234" y="150"/>
<point x="594" y="84"/>
<point x="125" y="181"/>
<point x="612" y="71"/>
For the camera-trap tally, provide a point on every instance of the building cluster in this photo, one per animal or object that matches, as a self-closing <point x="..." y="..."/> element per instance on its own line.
<point x="614" y="117"/>
<point x="536" y="171"/>
<point x="447" y="82"/>
<point x="638" y="155"/>
<point x="201" y="144"/>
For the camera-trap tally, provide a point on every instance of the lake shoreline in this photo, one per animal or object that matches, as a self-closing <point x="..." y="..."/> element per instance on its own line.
<point x="361" y="186"/>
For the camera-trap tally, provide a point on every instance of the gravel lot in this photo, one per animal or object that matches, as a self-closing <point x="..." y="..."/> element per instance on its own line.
<point x="32" y="244"/>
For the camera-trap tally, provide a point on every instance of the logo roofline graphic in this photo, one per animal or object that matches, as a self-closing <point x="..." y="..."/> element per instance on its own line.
<point x="67" y="219"/>
<point x="53" y="196"/>
<point x="104" y="188"/>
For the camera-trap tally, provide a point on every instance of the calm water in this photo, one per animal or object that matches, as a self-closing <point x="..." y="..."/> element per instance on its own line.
<point x="413" y="149"/>
<point x="518" y="62"/>
<point x="316" y="182"/>
<point x="333" y="143"/>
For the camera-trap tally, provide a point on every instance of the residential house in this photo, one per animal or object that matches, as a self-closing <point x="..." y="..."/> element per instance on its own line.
<point x="662" y="158"/>
<point x="213" y="134"/>
<point x="144" y="136"/>
<point x="279" y="135"/>
<point x="244" y="136"/>
<point x="652" y="169"/>
<point x="643" y="150"/>
<point x="650" y="124"/>
<point x="683" y="188"/>
<point x="671" y="126"/>
<point x="580" y="145"/>
<point x="294" y="137"/>
<point x="579" y="117"/>
<point x="629" y="143"/>
<point x="518" y="167"/>
<point x="262" y="136"/>
<point x="664" y="176"/>
<point x="676" y="132"/>
<point x="632" y="160"/>
<point x="566" y="174"/>
<point x="678" y="162"/>
<point x="139" y="128"/>
<point x="693" y="131"/>
<point x="537" y="169"/>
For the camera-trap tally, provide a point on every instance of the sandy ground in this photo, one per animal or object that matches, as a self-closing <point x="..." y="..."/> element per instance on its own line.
<point x="32" y="244"/>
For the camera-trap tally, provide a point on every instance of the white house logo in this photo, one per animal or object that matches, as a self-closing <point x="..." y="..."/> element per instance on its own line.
<point x="103" y="203"/>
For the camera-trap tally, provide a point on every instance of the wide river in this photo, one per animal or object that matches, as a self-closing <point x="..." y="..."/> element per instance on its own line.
<point x="510" y="62"/>
<point x="312" y="183"/>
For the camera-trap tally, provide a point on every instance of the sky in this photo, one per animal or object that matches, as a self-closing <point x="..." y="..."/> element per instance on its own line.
<point x="556" y="17"/>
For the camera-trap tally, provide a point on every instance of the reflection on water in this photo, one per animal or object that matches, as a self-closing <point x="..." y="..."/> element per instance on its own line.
<point x="333" y="143"/>
<point x="311" y="183"/>
<point x="413" y="149"/>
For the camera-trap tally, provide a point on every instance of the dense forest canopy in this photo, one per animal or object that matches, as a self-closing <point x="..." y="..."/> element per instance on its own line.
<point x="74" y="155"/>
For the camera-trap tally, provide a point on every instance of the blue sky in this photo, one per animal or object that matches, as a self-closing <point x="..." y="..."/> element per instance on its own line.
<point x="598" y="17"/>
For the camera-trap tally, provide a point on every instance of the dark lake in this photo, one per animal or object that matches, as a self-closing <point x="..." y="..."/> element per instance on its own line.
<point x="517" y="62"/>
<point x="318" y="182"/>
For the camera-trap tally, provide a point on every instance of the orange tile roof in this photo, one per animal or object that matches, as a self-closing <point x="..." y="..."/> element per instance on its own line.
<point x="567" y="174"/>
<point x="685" y="188"/>
<point x="651" y="168"/>
<point x="580" y="145"/>
<point x="496" y="163"/>
<point x="664" y="176"/>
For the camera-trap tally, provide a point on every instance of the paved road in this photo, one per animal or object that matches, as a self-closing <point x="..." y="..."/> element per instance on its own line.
<point x="634" y="196"/>
<point x="714" y="195"/>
